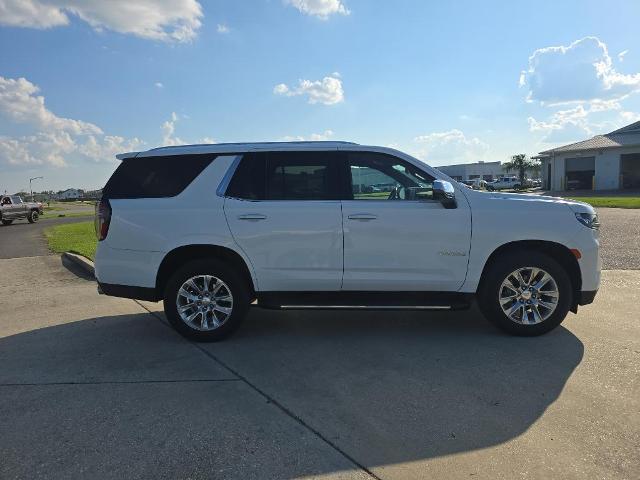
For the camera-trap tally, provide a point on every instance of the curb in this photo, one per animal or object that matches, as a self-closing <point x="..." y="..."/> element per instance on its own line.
<point x="80" y="261"/>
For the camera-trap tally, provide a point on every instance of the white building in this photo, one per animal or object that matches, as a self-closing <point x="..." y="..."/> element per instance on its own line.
<point x="604" y="162"/>
<point x="488" y="171"/>
<point x="70" y="194"/>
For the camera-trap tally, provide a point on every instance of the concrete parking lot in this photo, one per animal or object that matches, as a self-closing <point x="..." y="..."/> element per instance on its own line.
<point x="99" y="387"/>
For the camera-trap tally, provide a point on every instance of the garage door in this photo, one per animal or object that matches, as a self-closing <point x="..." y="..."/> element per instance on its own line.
<point x="630" y="170"/>
<point x="579" y="173"/>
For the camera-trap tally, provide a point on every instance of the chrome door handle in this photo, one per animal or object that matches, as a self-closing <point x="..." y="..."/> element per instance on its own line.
<point x="362" y="216"/>
<point x="252" y="216"/>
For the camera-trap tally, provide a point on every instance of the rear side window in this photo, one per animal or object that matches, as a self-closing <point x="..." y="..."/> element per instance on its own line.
<point x="155" y="177"/>
<point x="287" y="176"/>
<point x="248" y="181"/>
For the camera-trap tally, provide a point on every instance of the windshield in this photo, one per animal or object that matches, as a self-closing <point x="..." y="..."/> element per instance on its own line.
<point x="16" y="199"/>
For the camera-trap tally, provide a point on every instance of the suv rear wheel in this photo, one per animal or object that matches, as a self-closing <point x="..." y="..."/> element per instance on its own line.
<point x="7" y="222"/>
<point x="525" y="293"/>
<point x="205" y="300"/>
<point x="33" y="216"/>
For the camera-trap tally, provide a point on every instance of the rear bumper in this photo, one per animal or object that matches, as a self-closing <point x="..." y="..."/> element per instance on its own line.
<point x="586" y="297"/>
<point x="128" y="291"/>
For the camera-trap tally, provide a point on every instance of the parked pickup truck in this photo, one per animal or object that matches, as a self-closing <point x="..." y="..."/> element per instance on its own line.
<point x="14" y="208"/>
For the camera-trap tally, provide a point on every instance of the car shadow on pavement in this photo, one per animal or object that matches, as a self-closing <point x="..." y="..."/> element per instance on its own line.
<point x="391" y="387"/>
<point x="384" y="388"/>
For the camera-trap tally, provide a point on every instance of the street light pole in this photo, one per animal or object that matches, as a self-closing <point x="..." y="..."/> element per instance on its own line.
<point x="30" y="188"/>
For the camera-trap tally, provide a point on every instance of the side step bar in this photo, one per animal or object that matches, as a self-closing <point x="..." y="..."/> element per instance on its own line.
<point x="364" y="300"/>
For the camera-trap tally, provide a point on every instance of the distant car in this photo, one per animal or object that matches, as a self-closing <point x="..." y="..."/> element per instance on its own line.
<point x="14" y="208"/>
<point x="505" y="183"/>
<point x="478" y="184"/>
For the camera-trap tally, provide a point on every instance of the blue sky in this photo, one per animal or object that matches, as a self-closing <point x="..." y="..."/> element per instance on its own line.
<point x="449" y="82"/>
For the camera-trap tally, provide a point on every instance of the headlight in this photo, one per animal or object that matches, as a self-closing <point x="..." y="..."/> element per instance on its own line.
<point x="588" y="220"/>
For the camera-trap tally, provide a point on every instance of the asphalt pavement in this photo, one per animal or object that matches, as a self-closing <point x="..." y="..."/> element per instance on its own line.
<point x="24" y="239"/>
<point x="620" y="238"/>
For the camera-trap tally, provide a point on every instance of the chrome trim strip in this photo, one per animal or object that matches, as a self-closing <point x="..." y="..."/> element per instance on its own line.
<point x="222" y="188"/>
<point x="368" y="307"/>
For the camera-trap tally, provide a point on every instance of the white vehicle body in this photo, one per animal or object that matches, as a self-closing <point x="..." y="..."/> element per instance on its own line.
<point x="337" y="245"/>
<point x="505" y="183"/>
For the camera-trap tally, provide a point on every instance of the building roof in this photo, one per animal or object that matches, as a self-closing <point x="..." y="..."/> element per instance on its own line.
<point x="623" y="137"/>
<point x="470" y="164"/>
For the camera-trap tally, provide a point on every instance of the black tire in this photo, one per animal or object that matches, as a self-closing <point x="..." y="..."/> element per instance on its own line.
<point x="490" y="188"/>
<point x="236" y="285"/>
<point x="7" y="222"/>
<point x="33" y="216"/>
<point x="489" y="291"/>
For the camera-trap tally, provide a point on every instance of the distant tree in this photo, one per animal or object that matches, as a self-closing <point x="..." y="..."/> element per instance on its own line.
<point x="521" y="163"/>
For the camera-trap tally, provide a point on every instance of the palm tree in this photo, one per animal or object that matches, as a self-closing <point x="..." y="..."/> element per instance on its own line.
<point x="521" y="163"/>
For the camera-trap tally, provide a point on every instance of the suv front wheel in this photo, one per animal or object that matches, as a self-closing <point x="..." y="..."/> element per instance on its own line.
<point x="525" y="293"/>
<point x="205" y="300"/>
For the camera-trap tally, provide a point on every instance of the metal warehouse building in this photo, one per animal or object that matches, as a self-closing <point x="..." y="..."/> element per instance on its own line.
<point x="604" y="162"/>
<point x="469" y="171"/>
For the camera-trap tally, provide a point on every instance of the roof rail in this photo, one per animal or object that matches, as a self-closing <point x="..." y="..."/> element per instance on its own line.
<point x="228" y="144"/>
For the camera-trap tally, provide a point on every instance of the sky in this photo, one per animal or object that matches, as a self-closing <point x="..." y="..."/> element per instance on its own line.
<point x="448" y="82"/>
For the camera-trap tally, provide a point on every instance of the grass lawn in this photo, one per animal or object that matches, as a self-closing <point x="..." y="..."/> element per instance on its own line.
<point x="613" y="202"/>
<point x="74" y="237"/>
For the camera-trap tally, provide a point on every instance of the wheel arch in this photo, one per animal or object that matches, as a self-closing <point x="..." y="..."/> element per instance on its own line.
<point x="186" y="253"/>
<point x="555" y="250"/>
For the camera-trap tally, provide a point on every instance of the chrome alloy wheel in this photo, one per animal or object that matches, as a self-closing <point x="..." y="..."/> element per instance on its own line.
<point x="528" y="295"/>
<point x="204" y="302"/>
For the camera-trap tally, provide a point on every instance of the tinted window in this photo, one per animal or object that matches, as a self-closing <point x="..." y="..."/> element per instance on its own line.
<point x="301" y="176"/>
<point x="376" y="176"/>
<point x="248" y="181"/>
<point x="154" y="177"/>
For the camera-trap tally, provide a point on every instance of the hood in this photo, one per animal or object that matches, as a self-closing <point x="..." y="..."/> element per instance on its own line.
<point x="540" y="200"/>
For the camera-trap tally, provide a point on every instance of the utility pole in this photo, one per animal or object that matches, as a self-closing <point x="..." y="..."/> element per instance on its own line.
<point x="30" y="188"/>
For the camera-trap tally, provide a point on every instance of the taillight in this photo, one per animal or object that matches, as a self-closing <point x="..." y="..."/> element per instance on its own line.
<point x="103" y="218"/>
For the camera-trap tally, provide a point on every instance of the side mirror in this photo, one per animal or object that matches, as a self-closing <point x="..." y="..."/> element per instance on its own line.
<point x="445" y="193"/>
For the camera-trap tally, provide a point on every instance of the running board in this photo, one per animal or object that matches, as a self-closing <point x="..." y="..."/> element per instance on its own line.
<point x="441" y="301"/>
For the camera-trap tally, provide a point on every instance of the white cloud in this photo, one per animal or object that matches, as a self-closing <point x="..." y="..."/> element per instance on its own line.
<point x="327" y="91"/>
<point x="578" y="73"/>
<point x="622" y="54"/>
<point x="18" y="100"/>
<point x="168" y="129"/>
<point x="580" y="122"/>
<point x="54" y="138"/>
<point x="629" y="117"/>
<point x="314" y="137"/>
<point x="105" y="149"/>
<point x="166" y="20"/>
<point x="321" y="9"/>
<point x="452" y="146"/>
<point x="159" y="85"/>
<point x="222" y="28"/>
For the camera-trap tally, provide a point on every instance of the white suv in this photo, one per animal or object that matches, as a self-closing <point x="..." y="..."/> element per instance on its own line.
<point x="505" y="183"/>
<point x="213" y="229"/>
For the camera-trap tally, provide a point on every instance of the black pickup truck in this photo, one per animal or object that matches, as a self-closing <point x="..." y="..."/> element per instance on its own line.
<point x="14" y="208"/>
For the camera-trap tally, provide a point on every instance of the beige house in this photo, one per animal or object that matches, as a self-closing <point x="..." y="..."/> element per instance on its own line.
<point x="604" y="162"/>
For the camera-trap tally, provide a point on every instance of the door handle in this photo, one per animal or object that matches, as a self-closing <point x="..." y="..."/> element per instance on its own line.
<point x="362" y="216"/>
<point x="252" y="216"/>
